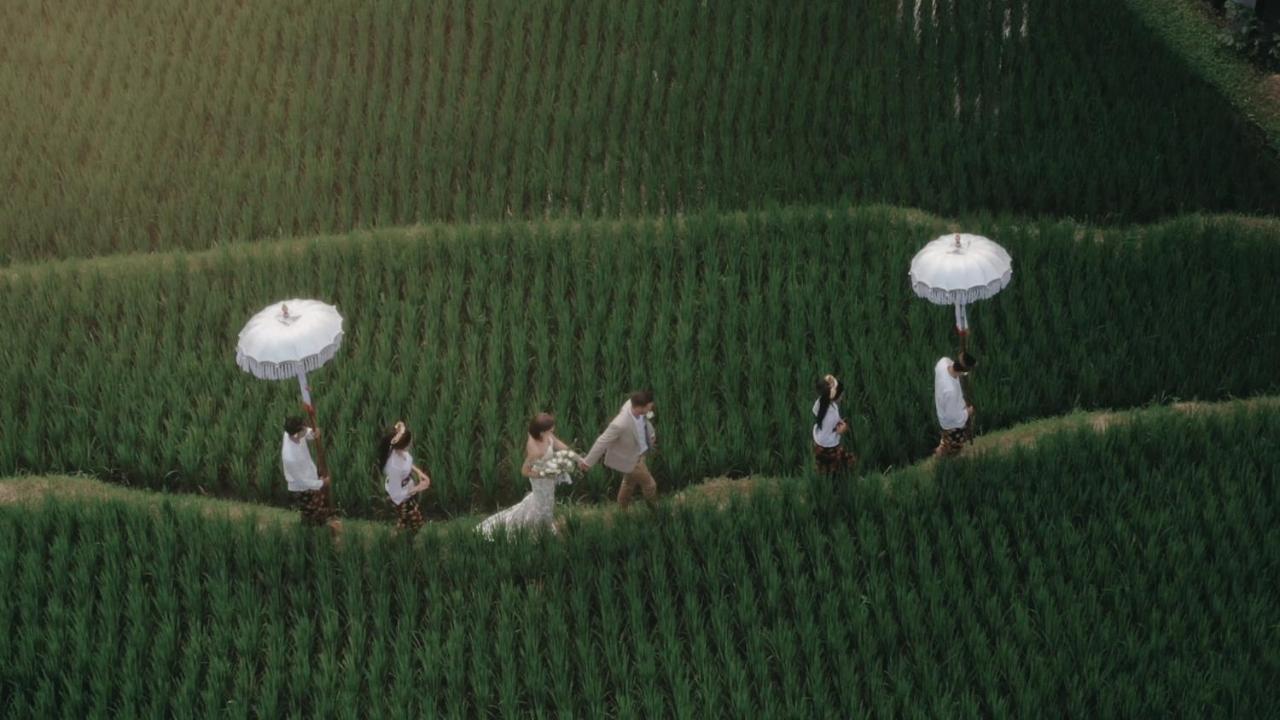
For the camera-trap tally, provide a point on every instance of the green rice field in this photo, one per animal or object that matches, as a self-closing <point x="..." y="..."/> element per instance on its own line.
<point x="466" y="332"/>
<point x="162" y="124"/>
<point x="1117" y="574"/>
<point x="546" y="205"/>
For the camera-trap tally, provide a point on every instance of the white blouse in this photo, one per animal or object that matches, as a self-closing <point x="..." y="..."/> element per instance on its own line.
<point x="299" y="468"/>
<point x="825" y="435"/>
<point x="399" y="474"/>
<point x="948" y="397"/>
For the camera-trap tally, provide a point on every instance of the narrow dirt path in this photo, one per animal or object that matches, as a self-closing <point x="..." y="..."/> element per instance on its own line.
<point x="711" y="493"/>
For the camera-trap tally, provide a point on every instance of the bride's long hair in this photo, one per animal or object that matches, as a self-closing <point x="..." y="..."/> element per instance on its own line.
<point x="540" y="424"/>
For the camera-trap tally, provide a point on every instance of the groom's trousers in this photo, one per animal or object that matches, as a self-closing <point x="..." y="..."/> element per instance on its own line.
<point x="638" y="477"/>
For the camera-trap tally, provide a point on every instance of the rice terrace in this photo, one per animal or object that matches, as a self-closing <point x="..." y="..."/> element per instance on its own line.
<point x="640" y="359"/>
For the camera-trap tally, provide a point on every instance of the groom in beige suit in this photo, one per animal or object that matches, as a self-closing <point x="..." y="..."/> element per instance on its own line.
<point x="624" y="444"/>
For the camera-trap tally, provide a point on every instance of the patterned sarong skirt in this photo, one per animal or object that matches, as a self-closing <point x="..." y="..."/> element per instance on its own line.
<point x="952" y="442"/>
<point x="409" y="515"/>
<point x="313" y="508"/>
<point x="832" y="459"/>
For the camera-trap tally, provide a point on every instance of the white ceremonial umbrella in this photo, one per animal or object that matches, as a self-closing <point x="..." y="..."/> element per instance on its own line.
<point x="287" y="340"/>
<point x="958" y="269"/>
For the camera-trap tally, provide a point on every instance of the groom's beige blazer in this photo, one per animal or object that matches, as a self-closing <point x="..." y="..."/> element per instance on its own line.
<point x="619" y="444"/>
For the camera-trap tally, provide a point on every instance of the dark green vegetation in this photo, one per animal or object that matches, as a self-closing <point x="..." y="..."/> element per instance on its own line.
<point x="668" y="193"/>
<point x="124" y="368"/>
<point x="1125" y="574"/>
<point x="154" y="124"/>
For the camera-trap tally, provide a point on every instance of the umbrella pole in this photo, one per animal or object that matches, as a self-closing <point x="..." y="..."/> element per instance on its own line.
<point x="311" y="413"/>
<point x="962" y="326"/>
<point x="962" y="329"/>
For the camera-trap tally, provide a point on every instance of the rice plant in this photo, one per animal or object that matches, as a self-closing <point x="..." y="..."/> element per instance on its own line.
<point x="124" y="369"/>
<point x="293" y="118"/>
<point x="1130" y="572"/>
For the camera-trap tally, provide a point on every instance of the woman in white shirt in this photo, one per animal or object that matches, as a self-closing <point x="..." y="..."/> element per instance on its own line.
<point x="828" y="427"/>
<point x="300" y="473"/>
<point x="398" y="469"/>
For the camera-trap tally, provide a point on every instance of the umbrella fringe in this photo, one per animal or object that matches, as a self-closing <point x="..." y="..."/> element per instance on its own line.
<point x="939" y="296"/>
<point x="290" y="369"/>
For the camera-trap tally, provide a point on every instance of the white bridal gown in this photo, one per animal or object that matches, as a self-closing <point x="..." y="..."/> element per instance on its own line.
<point x="535" y="512"/>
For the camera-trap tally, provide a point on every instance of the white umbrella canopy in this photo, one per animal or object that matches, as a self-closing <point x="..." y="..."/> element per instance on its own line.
<point x="959" y="268"/>
<point x="287" y="339"/>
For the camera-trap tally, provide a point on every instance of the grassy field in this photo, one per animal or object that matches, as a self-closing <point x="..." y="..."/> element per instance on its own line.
<point x="123" y="367"/>
<point x="1117" y="574"/>
<point x="154" y="124"/>
<point x="542" y="205"/>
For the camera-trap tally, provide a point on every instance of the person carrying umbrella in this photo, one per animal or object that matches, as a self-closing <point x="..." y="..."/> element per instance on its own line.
<point x="958" y="269"/>
<point x="954" y="413"/>
<point x="300" y="473"/>
<point x="285" y="341"/>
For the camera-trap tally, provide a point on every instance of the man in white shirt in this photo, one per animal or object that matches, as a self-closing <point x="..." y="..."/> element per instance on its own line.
<point x="301" y="475"/>
<point x="623" y="446"/>
<point x="954" y="414"/>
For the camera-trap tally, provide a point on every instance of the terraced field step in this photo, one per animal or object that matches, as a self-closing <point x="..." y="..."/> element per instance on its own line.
<point x="465" y="331"/>
<point x="1124" y="565"/>
<point x="711" y="493"/>
<point x="279" y="120"/>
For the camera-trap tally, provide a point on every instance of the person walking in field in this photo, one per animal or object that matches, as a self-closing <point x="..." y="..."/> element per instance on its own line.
<point x="828" y="428"/>
<point x="954" y="413"/>
<point x="398" y="470"/>
<point x="624" y="444"/>
<point x="301" y="476"/>
<point x="537" y="510"/>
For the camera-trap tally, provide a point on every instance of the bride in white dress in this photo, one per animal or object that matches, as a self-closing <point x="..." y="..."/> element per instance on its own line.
<point x="537" y="510"/>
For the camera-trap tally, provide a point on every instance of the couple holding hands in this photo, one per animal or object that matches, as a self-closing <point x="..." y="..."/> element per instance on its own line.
<point x="548" y="462"/>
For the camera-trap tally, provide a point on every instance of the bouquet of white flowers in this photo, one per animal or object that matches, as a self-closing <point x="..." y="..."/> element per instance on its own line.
<point x="560" y="463"/>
